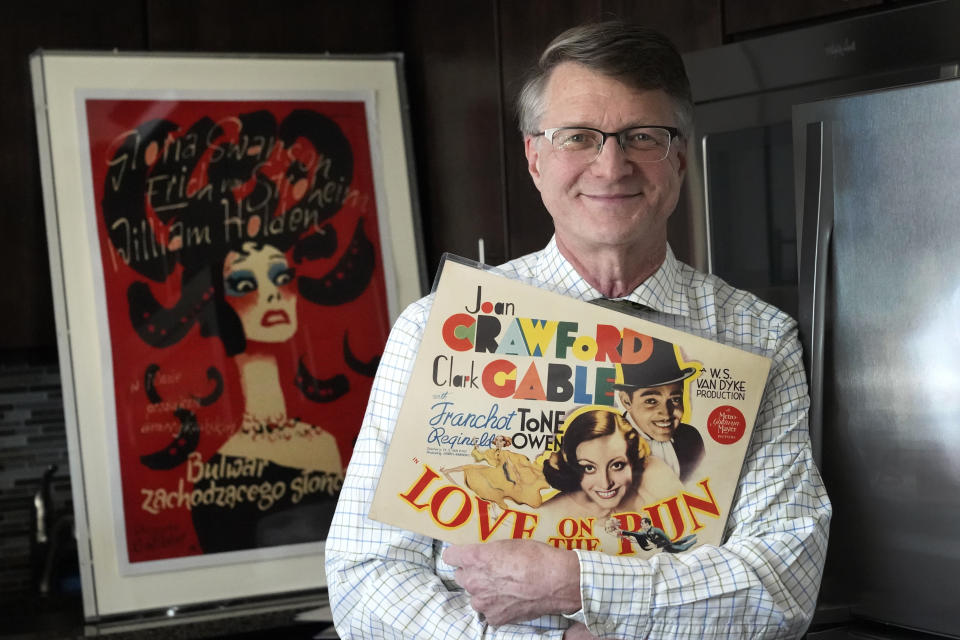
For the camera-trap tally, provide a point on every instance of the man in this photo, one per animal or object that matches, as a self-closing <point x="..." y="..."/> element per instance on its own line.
<point x="610" y="195"/>
<point x="652" y="395"/>
<point x="658" y="538"/>
<point x="650" y="537"/>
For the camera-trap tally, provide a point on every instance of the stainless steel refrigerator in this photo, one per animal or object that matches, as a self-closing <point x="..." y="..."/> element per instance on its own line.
<point x="878" y="201"/>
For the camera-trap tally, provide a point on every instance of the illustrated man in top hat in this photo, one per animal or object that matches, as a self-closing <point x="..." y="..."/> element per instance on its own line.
<point x="652" y="395"/>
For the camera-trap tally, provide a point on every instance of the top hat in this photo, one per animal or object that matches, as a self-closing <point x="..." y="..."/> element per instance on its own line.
<point x="659" y="369"/>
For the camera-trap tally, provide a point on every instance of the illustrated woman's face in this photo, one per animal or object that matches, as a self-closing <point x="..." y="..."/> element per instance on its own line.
<point x="657" y="410"/>
<point x="607" y="474"/>
<point x="258" y="284"/>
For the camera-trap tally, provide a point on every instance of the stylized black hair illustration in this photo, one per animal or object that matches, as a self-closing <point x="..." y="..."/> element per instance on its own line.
<point x="170" y="207"/>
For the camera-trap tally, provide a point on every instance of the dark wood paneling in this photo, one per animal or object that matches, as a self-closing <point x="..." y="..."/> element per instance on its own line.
<point x="27" y="318"/>
<point x="275" y="26"/>
<point x="453" y="85"/>
<point x="525" y="29"/>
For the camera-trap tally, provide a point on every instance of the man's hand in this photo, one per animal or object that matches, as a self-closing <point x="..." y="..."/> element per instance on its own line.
<point x="517" y="580"/>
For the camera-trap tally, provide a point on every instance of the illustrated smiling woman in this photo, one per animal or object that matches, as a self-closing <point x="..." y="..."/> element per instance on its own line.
<point x="604" y="467"/>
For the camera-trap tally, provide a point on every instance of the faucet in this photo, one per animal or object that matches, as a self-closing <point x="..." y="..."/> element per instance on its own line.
<point x="50" y="542"/>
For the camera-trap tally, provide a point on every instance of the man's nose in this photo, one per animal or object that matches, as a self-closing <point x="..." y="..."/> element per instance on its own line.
<point x="612" y="161"/>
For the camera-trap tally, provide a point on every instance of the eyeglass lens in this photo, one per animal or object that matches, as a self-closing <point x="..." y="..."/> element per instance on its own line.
<point x="642" y="144"/>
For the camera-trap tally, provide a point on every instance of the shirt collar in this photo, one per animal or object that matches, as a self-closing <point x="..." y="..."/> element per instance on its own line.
<point x="662" y="291"/>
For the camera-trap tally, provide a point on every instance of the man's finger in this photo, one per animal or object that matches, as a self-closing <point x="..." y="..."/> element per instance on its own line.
<point x="460" y="555"/>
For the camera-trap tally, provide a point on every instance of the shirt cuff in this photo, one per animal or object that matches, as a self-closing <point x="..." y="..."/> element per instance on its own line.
<point x="578" y="616"/>
<point x="615" y="593"/>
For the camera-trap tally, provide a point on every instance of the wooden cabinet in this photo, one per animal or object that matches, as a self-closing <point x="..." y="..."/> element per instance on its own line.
<point x="273" y="26"/>
<point x="525" y="29"/>
<point x="25" y="295"/>
<point x="455" y="104"/>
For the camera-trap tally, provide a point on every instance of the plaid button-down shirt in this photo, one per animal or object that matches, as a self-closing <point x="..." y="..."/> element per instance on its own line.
<point x="385" y="582"/>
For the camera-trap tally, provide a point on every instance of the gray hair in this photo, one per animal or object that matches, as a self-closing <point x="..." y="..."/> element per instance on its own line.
<point x="640" y="57"/>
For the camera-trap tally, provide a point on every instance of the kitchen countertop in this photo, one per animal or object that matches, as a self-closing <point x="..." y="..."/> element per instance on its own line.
<point x="291" y="617"/>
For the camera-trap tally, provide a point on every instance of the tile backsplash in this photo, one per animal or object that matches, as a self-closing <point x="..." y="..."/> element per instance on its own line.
<point x="32" y="438"/>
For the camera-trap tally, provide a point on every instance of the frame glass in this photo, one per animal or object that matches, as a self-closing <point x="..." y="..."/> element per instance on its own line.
<point x="231" y="239"/>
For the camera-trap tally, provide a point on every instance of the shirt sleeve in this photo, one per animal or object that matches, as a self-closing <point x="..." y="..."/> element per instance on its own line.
<point x="385" y="582"/>
<point x="763" y="581"/>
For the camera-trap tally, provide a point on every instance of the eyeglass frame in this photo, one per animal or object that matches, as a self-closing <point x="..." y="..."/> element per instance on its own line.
<point x="673" y="132"/>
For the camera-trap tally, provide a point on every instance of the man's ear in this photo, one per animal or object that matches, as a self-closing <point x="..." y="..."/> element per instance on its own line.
<point x="682" y="158"/>
<point x="625" y="399"/>
<point x="530" y="148"/>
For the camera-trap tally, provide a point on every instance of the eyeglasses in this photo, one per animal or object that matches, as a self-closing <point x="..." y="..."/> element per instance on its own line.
<point x="585" y="144"/>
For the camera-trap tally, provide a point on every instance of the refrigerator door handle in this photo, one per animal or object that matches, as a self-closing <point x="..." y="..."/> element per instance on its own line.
<point x="816" y="232"/>
<point x="707" y="222"/>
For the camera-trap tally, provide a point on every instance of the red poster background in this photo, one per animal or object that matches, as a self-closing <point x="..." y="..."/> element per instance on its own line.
<point x="168" y="403"/>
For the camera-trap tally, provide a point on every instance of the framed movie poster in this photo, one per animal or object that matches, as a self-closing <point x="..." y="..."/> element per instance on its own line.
<point x="230" y="241"/>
